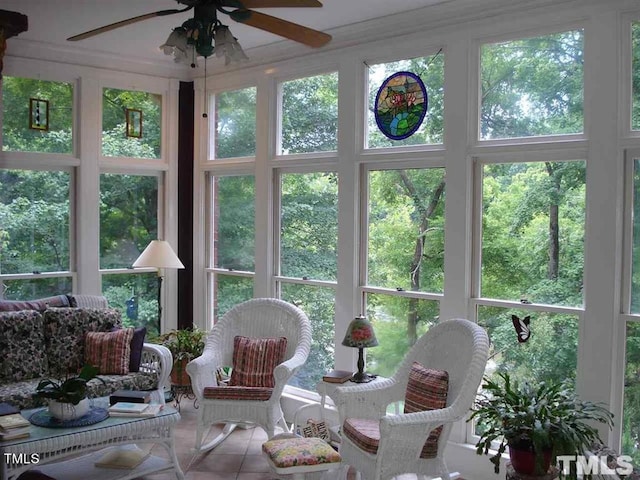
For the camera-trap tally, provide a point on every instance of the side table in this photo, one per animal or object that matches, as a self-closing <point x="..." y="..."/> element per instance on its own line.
<point x="183" y="391"/>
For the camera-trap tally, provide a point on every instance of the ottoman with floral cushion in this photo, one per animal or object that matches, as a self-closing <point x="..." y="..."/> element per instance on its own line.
<point x="50" y="344"/>
<point x="289" y="454"/>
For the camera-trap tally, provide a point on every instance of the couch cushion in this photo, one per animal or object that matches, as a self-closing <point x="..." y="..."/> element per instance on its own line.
<point x="20" y="394"/>
<point x="137" y="342"/>
<point x="64" y="330"/>
<point x="109" y="351"/>
<point x="40" y="304"/>
<point x="254" y="360"/>
<point x="22" y="346"/>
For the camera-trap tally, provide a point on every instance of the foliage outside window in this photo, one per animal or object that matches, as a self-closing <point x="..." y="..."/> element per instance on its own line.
<point x="631" y="406"/>
<point x="235" y="124"/>
<point x="635" y="76"/>
<point x="319" y="305"/>
<point x="406" y="229"/>
<point x="430" y="69"/>
<point x="115" y="142"/>
<point x="34" y="288"/>
<point x="232" y="241"/>
<point x="533" y="227"/>
<point x="532" y="86"/>
<point x="398" y="322"/>
<point x="34" y="221"/>
<point x="309" y="119"/>
<point x="405" y="246"/>
<point x="128" y="217"/>
<point x="136" y="296"/>
<point x="308" y="242"/>
<point x="309" y="226"/>
<point x="549" y="355"/>
<point x="16" y="134"/>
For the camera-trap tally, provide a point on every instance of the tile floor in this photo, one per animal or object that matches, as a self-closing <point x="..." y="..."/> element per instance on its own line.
<point x="239" y="457"/>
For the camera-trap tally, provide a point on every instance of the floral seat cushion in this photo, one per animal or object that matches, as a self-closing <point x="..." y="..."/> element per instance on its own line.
<point x="289" y="451"/>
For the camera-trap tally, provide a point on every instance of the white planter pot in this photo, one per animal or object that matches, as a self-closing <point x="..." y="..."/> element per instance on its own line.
<point x="69" y="411"/>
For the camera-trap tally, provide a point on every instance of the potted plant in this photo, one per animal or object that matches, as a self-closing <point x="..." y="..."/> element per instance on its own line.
<point x="68" y="396"/>
<point x="537" y="422"/>
<point x="185" y="345"/>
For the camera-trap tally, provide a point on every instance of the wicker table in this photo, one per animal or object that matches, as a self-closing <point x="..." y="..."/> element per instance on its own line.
<point x="54" y="447"/>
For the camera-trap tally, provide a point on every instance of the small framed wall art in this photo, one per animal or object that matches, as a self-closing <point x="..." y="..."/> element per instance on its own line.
<point x="134" y="123"/>
<point x="38" y="114"/>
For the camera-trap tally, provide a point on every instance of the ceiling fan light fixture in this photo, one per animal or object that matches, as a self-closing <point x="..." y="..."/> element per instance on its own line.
<point x="227" y="45"/>
<point x="177" y="44"/>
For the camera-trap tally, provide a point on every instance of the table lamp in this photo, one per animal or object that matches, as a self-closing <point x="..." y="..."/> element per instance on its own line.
<point x="158" y="254"/>
<point x="360" y="335"/>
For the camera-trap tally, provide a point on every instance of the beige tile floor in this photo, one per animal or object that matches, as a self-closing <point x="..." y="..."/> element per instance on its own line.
<point x="239" y="457"/>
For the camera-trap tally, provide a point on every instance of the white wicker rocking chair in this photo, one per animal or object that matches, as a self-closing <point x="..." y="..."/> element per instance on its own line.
<point x="458" y="347"/>
<point x="257" y="319"/>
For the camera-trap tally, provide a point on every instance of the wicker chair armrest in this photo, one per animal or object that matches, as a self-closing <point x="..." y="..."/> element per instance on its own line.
<point x="202" y="371"/>
<point x="366" y="400"/>
<point x="157" y="359"/>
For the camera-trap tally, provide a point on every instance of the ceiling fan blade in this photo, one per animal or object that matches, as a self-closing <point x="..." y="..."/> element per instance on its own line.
<point x="284" y="28"/>
<point x="122" y="23"/>
<point x="280" y="3"/>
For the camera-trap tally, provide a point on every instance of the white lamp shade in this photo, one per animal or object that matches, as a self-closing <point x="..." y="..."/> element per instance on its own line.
<point x="158" y="254"/>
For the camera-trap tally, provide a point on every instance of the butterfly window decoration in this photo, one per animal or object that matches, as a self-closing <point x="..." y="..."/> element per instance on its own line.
<point x="522" y="326"/>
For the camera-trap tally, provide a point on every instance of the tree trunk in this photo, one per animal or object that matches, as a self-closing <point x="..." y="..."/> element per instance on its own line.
<point x="554" y="228"/>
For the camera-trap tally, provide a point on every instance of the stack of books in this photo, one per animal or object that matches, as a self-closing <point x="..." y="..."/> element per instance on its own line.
<point x="337" y="376"/>
<point x="14" y="426"/>
<point x="132" y="409"/>
<point x="132" y="396"/>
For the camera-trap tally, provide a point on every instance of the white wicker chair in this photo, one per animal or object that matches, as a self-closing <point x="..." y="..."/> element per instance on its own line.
<point x="257" y="318"/>
<point x="458" y="346"/>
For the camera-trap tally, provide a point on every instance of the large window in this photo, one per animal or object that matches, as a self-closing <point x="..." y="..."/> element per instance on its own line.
<point x="38" y="115"/>
<point x="34" y="233"/>
<point x="131" y="124"/>
<point x="532" y="86"/>
<point x="309" y="121"/>
<point x="431" y="71"/>
<point x="405" y="259"/>
<point x="235" y="124"/>
<point x="631" y="317"/>
<point x="308" y="261"/>
<point x="128" y="222"/>
<point x="232" y="241"/>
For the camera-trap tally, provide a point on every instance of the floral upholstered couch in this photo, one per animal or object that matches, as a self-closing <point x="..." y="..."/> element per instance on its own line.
<point x="50" y="343"/>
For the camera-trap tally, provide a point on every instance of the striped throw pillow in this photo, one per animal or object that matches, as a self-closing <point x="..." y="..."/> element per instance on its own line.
<point x="427" y="390"/>
<point x="254" y="360"/>
<point x="109" y="351"/>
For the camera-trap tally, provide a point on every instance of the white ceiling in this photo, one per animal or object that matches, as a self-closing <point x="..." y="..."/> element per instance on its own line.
<point x="51" y="22"/>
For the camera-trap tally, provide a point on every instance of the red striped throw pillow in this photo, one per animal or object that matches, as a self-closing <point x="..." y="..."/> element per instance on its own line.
<point x="254" y="360"/>
<point x="427" y="390"/>
<point x="109" y="351"/>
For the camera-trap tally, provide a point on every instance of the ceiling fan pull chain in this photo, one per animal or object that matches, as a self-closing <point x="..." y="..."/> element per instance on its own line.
<point x="204" y="114"/>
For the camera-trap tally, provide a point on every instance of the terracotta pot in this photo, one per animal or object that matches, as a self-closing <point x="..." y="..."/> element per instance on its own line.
<point x="524" y="461"/>
<point x="69" y="411"/>
<point x="179" y="375"/>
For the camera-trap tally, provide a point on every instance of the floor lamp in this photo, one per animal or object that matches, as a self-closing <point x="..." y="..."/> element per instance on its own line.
<point x="160" y="255"/>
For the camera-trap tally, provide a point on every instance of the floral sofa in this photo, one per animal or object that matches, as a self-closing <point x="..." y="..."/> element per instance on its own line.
<point x="49" y="343"/>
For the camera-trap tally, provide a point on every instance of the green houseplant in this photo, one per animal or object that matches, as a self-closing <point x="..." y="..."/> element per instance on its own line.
<point x="68" y="396"/>
<point x="537" y="422"/>
<point x="185" y="345"/>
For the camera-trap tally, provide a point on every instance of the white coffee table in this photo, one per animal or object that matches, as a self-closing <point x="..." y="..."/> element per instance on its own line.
<point x="70" y="453"/>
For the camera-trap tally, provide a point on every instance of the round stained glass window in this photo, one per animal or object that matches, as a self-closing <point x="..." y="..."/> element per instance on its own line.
<point x="401" y="104"/>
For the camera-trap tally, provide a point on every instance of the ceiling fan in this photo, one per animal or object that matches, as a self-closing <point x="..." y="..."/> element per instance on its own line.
<point x="204" y="33"/>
